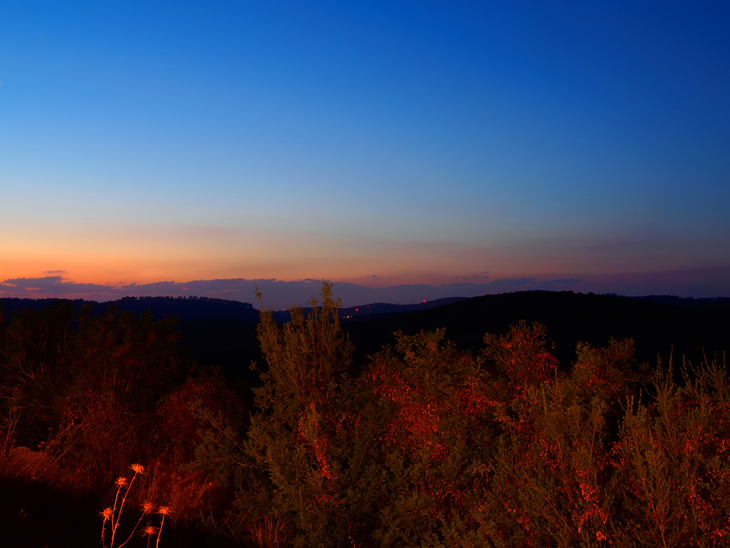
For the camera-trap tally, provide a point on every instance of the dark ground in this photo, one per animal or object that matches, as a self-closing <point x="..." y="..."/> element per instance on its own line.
<point x="34" y="515"/>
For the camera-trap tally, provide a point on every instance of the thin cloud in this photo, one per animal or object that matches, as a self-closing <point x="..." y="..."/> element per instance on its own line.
<point x="512" y="282"/>
<point x="561" y="281"/>
<point x="56" y="286"/>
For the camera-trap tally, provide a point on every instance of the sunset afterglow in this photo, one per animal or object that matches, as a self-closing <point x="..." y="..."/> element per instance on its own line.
<point x="581" y="147"/>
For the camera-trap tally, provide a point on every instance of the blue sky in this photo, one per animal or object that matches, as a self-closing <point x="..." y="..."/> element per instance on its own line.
<point x="376" y="143"/>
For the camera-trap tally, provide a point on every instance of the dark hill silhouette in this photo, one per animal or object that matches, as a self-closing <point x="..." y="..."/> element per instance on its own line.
<point x="220" y="332"/>
<point x="656" y="327"/>
<point x="374" y="310"/>
<point x="213" y="331"/>
<point x="187" y="308"/>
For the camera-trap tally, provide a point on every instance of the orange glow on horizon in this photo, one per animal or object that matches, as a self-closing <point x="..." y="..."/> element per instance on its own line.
<point x="114" y="256"/>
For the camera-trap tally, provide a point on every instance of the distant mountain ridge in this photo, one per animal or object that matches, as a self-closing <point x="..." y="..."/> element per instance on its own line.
<point x="201" y="308"/>
<point x="684" y="327"/>
<point x="281" y="295"/>
<point x="375" y="310"/>
<point x="223" y="333"/>
<point x="188" y="308"/>
<point x="680" y="301"/>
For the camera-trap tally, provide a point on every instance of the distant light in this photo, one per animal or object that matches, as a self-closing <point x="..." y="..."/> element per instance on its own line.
<point x="424" y="300"/>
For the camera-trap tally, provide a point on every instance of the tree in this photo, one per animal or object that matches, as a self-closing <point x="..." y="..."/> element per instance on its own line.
<point x="292" y="467"/>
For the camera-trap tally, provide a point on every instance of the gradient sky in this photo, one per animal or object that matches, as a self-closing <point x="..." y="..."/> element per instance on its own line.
<point x="377" y="143"/>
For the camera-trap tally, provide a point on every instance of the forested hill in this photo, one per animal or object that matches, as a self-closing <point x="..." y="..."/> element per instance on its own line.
<point x="187" y="308"/>
<point x="206" y="308"/>
<point x="221" y="332"/>
<point x="658" y="325"/>
<point x="374" y="310"/>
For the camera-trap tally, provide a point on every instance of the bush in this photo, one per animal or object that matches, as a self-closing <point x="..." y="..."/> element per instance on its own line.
<point x="85" y="396"/>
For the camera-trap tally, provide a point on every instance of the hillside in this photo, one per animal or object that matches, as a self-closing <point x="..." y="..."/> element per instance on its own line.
<point x="221" y="332"/>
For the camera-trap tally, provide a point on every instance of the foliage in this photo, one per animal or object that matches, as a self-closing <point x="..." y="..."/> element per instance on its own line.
<point x="36" y="349"/>
<point x="437" y="427"/>
<point x="430" y="446"/>
<point x="294" y="470"/>
<point x="552" y="472"/>
<point x="674" y="460"/>
<point x="427" y="445"/>
<point x="179" y="427"/>
<point x="85" y="390"/>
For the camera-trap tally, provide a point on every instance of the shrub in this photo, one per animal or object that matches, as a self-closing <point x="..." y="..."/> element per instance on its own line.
<point x="436" y="427"/>
<point x="674" y="461"/>
<point x="86" y="396"/>
<point x="296" y="478"/>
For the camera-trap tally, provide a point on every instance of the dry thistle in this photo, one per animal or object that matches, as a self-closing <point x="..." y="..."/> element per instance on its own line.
<point x="148" y="531"/>
<point x="147" y="508"/>
<point x="163" y="511"/>
<point x="121" y="482"/>
<point x="106" y="514"/>
<point x="114" y="515"/>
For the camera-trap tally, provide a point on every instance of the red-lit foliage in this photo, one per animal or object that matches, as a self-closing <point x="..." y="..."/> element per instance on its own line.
<point x="435" y="426"/>
<point x="417" y="408"/>
<point x="86" y="396"/>
<point x="674" y="462"/>
<point x="123" y="365"/>
<point x="178" y="425"/>
<point x="293" y="470"/>
<point x="426" y="446"/>
<point x="36" y="348"/>
<point x="522" y="355"/>
<point x="550" y="471"/>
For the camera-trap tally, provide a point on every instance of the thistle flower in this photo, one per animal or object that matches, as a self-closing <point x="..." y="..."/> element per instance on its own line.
<point x="149" y="531"/>
<point x="163" y="511"/>
<point x="121" y="481"/>
<point x="137" y="468"/>
<point x="107" y="514"/>
<point x="147" y="507"/>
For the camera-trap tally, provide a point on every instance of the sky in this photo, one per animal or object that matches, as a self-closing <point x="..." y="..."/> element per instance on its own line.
<point x="193" y="147"/>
